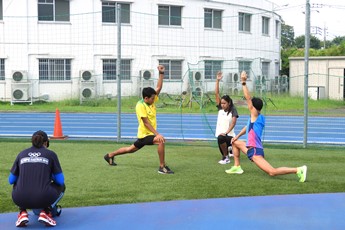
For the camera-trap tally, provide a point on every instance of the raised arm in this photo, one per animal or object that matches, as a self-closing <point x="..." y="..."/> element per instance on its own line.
<point x="253" y="111"/>
<point x="216" y="90"/>
<point x="161" y="70"/>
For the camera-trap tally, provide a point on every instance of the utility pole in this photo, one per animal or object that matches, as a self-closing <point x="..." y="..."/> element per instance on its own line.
<point x="306" y="71"/>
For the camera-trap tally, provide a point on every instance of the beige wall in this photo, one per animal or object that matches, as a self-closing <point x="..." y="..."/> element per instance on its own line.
<point x="327" y="72"/>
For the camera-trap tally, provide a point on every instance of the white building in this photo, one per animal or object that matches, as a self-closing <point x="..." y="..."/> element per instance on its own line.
<point x="52" y="43"/>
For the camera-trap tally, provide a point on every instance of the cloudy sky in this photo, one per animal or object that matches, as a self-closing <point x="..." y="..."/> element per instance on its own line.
<point x="327" y="15"/>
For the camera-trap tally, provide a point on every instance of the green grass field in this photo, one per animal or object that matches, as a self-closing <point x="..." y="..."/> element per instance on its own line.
<point x="90" y="181"/>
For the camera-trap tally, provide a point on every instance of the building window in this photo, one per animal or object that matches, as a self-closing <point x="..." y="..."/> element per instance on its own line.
<point x="277" y="68"/>
<point x="265" y="68"/>
<point x="54" y="69"/>
<point x="2" y="69"/>
<point x="213" y="19"/>
<point x="277" y="28"/>
<point x="245" y="66"/>
<point x="211" y="69"/>
<point x="244" y="22"/>
<point x="109" y="12"/>
<point x="265" y="25"/>
<point x="1" y="14"/>
<point x="110" y="70"/>
<point x="169" y="15"/>
<point x="173" y="69"/>
<point x="53" y="10"/>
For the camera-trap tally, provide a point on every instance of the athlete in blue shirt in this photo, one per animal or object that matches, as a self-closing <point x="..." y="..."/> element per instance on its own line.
<point x="253" y="147"/>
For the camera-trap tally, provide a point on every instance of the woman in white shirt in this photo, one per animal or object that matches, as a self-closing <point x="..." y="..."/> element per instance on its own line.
<point x="226" y="121"/>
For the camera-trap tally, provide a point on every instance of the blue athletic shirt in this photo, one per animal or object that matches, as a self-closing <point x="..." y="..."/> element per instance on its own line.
<point x="254" y="132"/>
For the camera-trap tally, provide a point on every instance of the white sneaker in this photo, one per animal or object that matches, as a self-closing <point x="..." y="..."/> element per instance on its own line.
<point x="224" y="161"/>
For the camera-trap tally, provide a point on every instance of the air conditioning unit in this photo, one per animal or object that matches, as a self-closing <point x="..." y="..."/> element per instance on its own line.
<point x="235" y="77"/>
<point x="88" y="93"/>
<point x="86" y="76"/>
<point x="20" y="94"/>
<point x="197" y="76"/>
<point x="146" y="74"/>
<point x="19" y="76"/>
<point x="197" y="92"/>
<point x="235" y="91"/>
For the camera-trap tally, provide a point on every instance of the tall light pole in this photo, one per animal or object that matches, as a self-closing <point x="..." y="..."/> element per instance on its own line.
<point x="306" y="71"/>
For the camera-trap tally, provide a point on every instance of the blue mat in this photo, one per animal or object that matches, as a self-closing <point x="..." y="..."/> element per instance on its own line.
<point x="309" y="211"/>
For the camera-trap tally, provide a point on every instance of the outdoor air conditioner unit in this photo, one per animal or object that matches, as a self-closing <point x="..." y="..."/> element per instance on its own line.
<point x="86" y="76"/>
<point x="20" y="94"/>
<point x="235" y="91"/>
<point x="197" y="76"/>
<point x="197" y="92"/>
<point x="235" y="77"/>
<point x="146" y="74"/>
<point x="19" y="76"/>
<point x="88" y="93"/>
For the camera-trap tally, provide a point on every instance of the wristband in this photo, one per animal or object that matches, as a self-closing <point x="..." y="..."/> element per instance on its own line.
<point x="243" y="83"/>
<point x="161" y="72"/>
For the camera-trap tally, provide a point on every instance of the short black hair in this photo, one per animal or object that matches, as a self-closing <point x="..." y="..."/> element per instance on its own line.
<point x="38" y="139"/>
<point x="257" y="103"/>
<point x="148" y="92"/>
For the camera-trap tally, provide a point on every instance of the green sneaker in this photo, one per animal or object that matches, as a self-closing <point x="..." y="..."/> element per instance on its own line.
<point x="234" y="170"/>
<point x="302" y="173"/>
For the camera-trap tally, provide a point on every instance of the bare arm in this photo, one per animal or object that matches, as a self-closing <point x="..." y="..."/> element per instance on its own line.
<point x="232" y="126"/>
<point x="216" y="90"/>
<point x="242" y="132"/>
<point x="253" y="112"/>
<point x="150" y="127"/>
<point x="161" y="70"/>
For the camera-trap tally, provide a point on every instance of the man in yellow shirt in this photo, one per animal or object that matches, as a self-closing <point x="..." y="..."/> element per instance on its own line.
<point x="147" y="129"/>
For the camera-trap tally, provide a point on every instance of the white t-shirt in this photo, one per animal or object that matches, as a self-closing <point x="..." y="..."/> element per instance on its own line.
<point x="224" y="121"/>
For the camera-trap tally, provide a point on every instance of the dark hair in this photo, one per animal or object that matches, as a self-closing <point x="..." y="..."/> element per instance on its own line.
<point x="39" y="138"/>
<point x="148" y="92"/>
<point x="257" y="103"/>
<point x="228" y="99"/>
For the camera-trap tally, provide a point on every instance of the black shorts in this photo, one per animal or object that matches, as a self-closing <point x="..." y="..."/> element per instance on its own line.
<point x="148" y="140"/>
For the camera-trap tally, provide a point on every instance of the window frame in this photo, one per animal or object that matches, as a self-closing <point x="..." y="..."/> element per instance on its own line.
<point x="171" y="20"/>
<point x="109" y="69"/>
<point x="2" y="69"/>
<point x="52" y="68"/>
<point x="265" y="26"/>
<point x="209" y="14"/>
<point x="211" y="68"/>
<point x="60" y="11"/>
<point x="244" y="21"/>
<point x="171" y="71"/>
<point x="265" y="68"/>
<point x="1" y="10"/>
<point x="277" y="29"/>
<point x="243" y="66"/>
<point x="125" y="13"/>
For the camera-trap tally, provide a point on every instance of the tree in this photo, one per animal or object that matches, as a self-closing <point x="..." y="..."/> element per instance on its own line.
<point x="287" y="36"/>
<point x="315" y="43"/>
<point x="338" y="40"/>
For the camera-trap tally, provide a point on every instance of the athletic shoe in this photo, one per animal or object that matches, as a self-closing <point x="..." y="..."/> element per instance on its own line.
<point x="23" y="219"/>
<point x="234" y="170"/>
<point x="302" y="173"/>
<point x="46" y="219"/>
<point x="165" y="170"/>
<point x="109" y="160"/>
<point x="224" y="161"/>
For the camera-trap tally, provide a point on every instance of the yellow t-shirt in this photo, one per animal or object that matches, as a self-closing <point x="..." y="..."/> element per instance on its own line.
<point x="144" y="110"/>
